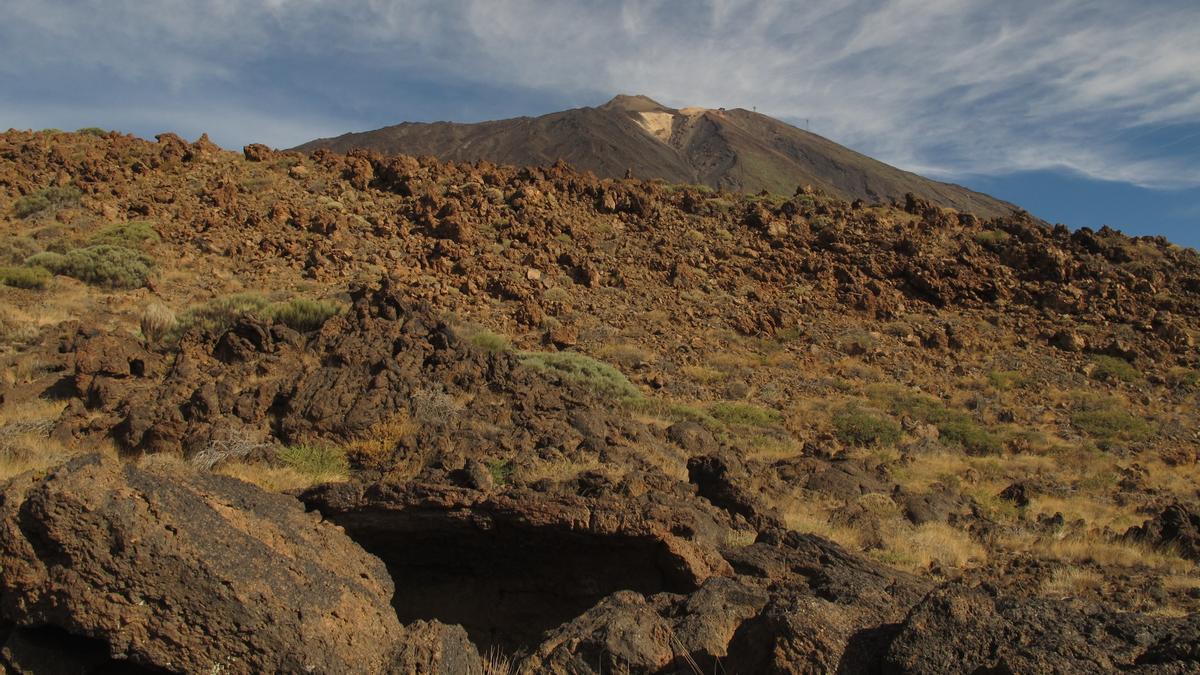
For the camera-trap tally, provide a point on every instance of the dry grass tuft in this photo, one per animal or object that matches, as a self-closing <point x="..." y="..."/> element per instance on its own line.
<point x="1069" y="582"/>
<point x="269" y="478"/>
<point x="919" y="548"/>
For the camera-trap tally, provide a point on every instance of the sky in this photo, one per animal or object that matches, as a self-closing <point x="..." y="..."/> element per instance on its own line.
<point x="1085" y="112"/>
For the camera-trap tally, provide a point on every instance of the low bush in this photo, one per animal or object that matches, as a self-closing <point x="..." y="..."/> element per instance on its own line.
<point x="736" y="413"/>
<point x="46" y="199"/>
<point x="1183" y="379"/>
<point x="954" y="426"/>
<point x="598" y="376"/>
<point x="102" y="265"/>
<point x="501" y="471"/>
<point x="1113" y="369"/>
<point x="218" y="314"/>
<point x="157" y="321"/>
<point x="302" y="314"/>
<point x="991" y="238"/>
<point x="973" y="438"/>
<point x="1105" y="420"/>
<point x="92" y="131"/>
<point x="855" y="425"/>
<point x="221" y="313"/>
<point x="317" y="461"/>
<point x="15" y="250"/>
<point x="135" y="234"/>
<point x="675" y="412"/>
<point x="489" y="341"/>
<point x="24" y="277"/>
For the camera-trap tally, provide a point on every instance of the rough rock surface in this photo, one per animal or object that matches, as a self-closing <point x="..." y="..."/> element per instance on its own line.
<point x="192" y="573"/>
<point x="1177" y="528"/>
<point x="969" y="630"/>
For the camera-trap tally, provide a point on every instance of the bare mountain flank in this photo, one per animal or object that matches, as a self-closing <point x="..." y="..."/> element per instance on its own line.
<point x="735" y="149"/>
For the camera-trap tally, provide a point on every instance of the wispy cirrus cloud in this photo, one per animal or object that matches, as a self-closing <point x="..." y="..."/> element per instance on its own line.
<point x="950" y="87"/>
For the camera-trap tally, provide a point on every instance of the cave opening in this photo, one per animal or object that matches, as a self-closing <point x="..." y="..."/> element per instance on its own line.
<point x="505" y="582"/>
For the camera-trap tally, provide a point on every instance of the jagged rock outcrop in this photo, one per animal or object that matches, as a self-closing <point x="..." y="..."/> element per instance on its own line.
<point x="165" y="568"/>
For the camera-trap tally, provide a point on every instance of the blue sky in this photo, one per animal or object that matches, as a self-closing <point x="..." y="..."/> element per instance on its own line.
<point x="1083" y="111"/>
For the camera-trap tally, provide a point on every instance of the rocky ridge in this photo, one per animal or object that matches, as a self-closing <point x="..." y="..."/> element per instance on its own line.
<point x="665" y="537"/>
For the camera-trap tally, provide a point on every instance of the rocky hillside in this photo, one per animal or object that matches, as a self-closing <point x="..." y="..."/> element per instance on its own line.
<point x="735" y="150"/>
<point x="574" y="424"/>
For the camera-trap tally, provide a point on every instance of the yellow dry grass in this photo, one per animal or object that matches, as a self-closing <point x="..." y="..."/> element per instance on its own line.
<point x="1097" y="550"/>
<point x="1069" y="582"/>
<point x="274" y="478"/>
<point x="918" y="549"/>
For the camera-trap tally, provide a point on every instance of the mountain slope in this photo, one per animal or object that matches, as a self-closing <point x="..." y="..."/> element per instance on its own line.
<point x="735" y="150"/>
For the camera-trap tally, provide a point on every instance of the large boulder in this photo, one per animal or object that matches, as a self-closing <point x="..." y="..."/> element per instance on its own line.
<point x="1176" y="528"/>
<point x="964" y="630"/>
<point x="167" y="568"/>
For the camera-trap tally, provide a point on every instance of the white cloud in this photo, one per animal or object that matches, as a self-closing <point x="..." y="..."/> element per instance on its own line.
<point x="950" y="87"/>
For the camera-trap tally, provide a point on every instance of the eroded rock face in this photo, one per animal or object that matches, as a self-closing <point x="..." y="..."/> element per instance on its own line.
<point x="511" y="566"/>
<point x="1176" y="528"/>
<point x="969" y="630"/>
<point x="170" y="569"/>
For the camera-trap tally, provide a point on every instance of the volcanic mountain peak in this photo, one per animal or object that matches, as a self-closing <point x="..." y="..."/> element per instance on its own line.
<point x="635" y="103"/>
<point x="735" y="149"/>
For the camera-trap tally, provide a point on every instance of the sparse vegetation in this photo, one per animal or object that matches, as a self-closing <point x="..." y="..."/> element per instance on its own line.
<point x="135" y="234"/>
<point x="322" y="463"/>
<point x="598" y="376"/>
<point x="157" y="321"/>
<point x="374" y="448"/>
<point x="991" y="238"/>
<point x="15" y="250"/>
<point x="736" y="413"/>
<point x="302" y="314"/>
<point x="954" y="426"/>
<point x="219" y="314"/>
<point x="1113" y="369"/>
<point x="46" y="200"/>
<point x="1106" y="420"/>
<point x="501" y="471"/>
<point x="489" y="341"/>
<point x="856" y="425"/>
<point x="102" y="265"/>
<point x="24" y="277"/>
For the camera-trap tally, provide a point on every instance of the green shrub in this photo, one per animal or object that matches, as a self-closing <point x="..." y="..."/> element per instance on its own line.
<point x="318" y="461"/>
<point x="501" y="471"/>
<point x="46" y="200"/>
<point x="954" y="426"/>
<point x="974" y="438"/>
<point x="93" y="131"/>
<point x="157" y="321"/>
<point x="736" y="413"/>
<point x="103" y="265"/>
<point x="302" y="314"/>
<point x="219" y="314"/>
<point x="1105" y="420"/>
<point x="598" y="376"/>
<point x="15" y="250"/>
<point x="1183" y="379"/>
<point x="675" y="412"/>
<point x="1005" y="380"/>
<point x="1111" y="368"/>
<point x="134" y="234"/>
<point x="858" y="426"/>
<point x="489" y="341"/>
<point x="24" y="277"/>
<point x="991" y="238"/>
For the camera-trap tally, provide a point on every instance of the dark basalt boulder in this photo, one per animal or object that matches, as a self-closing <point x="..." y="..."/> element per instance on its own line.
<point x="961" y="630"/>
<point x="165" y="568"/>
<point x="1177" y="528"/>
